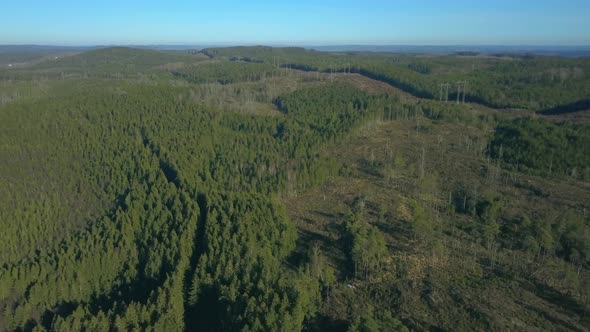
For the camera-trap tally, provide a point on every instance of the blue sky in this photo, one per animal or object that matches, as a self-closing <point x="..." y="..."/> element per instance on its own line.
<point x="301" y="22"/>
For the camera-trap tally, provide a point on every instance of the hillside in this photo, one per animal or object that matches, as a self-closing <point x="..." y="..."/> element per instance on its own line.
<point x="529" y="82"/>
<point x="115" y="56"/>
<point x="264" y="189"/>
<point x="112" y="62"/>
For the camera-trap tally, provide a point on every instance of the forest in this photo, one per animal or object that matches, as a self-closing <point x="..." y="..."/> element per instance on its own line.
<point x="286" y="189"/>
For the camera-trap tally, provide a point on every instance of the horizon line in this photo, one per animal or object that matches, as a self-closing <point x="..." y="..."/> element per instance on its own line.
<point x="297" y="45"/>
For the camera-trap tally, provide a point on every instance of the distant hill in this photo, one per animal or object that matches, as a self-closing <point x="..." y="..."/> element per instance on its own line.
<point x="258" y="52"/>
<point x="27" y="54"/>
<point x="109" y="62"/>
<point x="116" y="58"/>
<point x="564" y="51"/>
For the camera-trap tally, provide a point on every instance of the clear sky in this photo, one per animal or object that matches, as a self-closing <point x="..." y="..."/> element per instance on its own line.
<point x="301" y="22"/>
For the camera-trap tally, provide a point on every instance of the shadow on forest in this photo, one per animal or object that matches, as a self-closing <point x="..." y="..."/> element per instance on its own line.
<point x="553" y="296"/>
<point x="135" y="291"/>
<point x="333" y="248"/>
<point x="580" y="105"/>
<point x="193" y="322"/>
<point x="140" y="289"/>
<point x="323" y="323"/>
<point x="549" y="317"/>
<point x="207" y="313"/>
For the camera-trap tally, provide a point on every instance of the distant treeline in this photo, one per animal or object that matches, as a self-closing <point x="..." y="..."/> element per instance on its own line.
<point x="502" y="81"/>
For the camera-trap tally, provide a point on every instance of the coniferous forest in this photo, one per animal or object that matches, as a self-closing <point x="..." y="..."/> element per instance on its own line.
<point x="285" y="189"/>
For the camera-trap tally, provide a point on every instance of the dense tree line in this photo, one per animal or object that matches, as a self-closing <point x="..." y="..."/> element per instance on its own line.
<point x="367" y="245"/>
<point x="225" y="72"/>
<point x="238" y="282"/>
<point x="564" y="234"/>
<point x="543" y="147"/>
